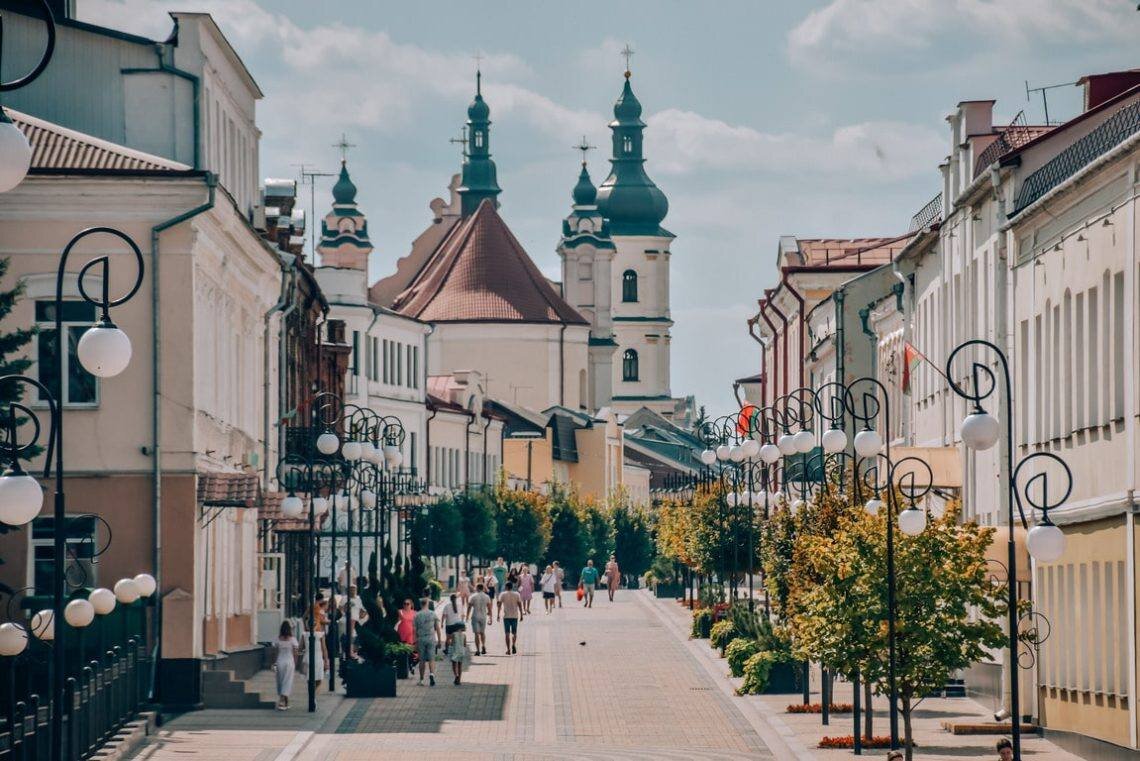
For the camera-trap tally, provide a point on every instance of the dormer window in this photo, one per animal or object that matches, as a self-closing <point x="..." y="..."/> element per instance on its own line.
<point x="627" y="144"/>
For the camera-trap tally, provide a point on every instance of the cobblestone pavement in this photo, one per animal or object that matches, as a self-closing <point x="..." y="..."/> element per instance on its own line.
<point x="611" y="682"/>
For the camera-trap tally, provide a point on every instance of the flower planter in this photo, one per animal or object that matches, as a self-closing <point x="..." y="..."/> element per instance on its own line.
<point x="669" y="590"/>
<point x="784" y="679"/>
<point x="403" y="666"/>
<point x="365" y="680"/>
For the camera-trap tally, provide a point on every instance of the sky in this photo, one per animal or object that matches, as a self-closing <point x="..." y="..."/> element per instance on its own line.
<point x="822" y="118"/>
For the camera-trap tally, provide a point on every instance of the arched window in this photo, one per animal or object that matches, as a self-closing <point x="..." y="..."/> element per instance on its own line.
<point x="627" y="144"/>
<point x="629" y="286"/>
<point x="478" y="138"/>
<point x="629" y="365"/>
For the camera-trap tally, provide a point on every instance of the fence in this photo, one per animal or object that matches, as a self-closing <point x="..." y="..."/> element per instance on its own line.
<point x="106" y="694"/>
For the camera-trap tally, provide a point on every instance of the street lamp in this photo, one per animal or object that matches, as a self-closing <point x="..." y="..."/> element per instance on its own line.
<point x="15" y="152"/>
<point x="981" y="431"/>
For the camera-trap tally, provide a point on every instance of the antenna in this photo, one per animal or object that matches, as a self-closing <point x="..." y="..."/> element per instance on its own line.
<point x="309" y="177"/>
<point x="1044" y="95"/>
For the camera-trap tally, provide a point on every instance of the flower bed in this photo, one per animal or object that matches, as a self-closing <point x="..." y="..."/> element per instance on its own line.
<point x="818" y="708"/>
<point x="848" y="741"/>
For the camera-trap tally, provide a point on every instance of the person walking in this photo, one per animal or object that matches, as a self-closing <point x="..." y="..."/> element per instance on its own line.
<point x="500" y="571"/>
<point x="426" y="627"/>
<point x="510" y="611"/>
<point x="589" y="580"/>
<point x="526" y="588"/>
<point x="560" y="575"/>
<point x="463" y="588"/>
<point x="478" y="609"/>
<point x="452" y="619"/>
<point x="1004" y="749"/>
<point x="548" y="583"/>
<point x="405" y="629"/>
<point x="613" y="577"/>
<point x="286" y="664"/>
<point x="320" y="620"/>
<point x="490" y="588"/>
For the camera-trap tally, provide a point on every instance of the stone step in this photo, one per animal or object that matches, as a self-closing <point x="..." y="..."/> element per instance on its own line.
<point x="221" y="690"/>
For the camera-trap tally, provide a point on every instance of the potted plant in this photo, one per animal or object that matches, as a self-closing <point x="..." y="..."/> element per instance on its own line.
<point x="402" y="657"/>
<point x="373" y="673"/>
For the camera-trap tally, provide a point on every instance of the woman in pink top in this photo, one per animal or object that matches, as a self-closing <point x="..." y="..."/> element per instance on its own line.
<point x="526" y="588"/>
<point x="613" y="577"/>
<point x="405" y="628"/>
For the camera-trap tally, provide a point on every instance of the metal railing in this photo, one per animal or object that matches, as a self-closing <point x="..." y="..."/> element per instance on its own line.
<point x="106" y="695"/>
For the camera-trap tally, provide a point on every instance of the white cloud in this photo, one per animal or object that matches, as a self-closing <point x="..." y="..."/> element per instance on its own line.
<point x="850" y="35"/>
<point x="684" y="142"/>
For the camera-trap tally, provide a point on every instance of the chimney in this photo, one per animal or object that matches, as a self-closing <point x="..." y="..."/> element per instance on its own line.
<point x="1102" y="87"/>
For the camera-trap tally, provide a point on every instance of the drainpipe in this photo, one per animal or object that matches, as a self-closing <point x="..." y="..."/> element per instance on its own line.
<point x="427" y="442"/>
<point x="428" y="330"/>
<point x="467" y="453"/>
<point x="803" y="322"/>
<point x="784" y="343"/>
<point x="156" y="402"/>
<point x="752" y="321"/>
<point x="562" y="365"/>
<point x="485" y="427"/>
<point x="864" y="317"/>
<point x="282" y="357"/>
<point x="288" y="279"/>
<point x="905" y="302"/>
<point x="775" y="356"/>
<point x="840" y="339"/>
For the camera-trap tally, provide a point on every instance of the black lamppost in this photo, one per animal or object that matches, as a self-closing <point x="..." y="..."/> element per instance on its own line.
<point x="1045" y="541"/>
<point x="15" y="152"/>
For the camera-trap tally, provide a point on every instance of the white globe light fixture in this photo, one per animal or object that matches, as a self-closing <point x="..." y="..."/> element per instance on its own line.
<point x="708" y="457"/>
<point x="21" y="498"/>
<point x="328" y="443"/>
<point x="292" y="506"/>
<point x="736" y="453"/>
<point x="320" y="506"/>
<point x="868" y="443"/>
<point x="368" y="498"/>
<point x="872" y="506"/>
<point x="798" y="505"/>
<point x="392" y="456"/>
<point x="834" y="440"/>
<point x="104" y="350"/>
<point x="13" y="639"/>
<point x="126" y="591"/>
<point x="787" y="444"/>
<point x="342" y="501"/>
<point x="723" y="452"/>
<point x="751" y="448"/>
<point x="79" y="613"/>
<point x="1045" y="542"/>
<point x="351" y="451"/>
<point x="804" y="441"/>
<point x="43" y="625"/>
<point x="103" y="600"/>
<point x="770" y="453"/>
<point x="912" y="521"/>
<point x="146" y="584"/>
<point x="980" y="430"/>
<point x="15" y="154"/>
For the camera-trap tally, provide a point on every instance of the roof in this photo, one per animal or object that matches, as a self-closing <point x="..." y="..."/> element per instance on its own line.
<point x="1007" y="139"/>
<point x="270" y="510"/>
<point x="828" y="252"/>
<point x="438" y="403"/>
<point x="520" y="420"/>
<point x="481" y="273"/>
<point x="1115" y="130"/>
<point x="564" y="444"/>
<point x="927" y="215"/>
<point x="228" y="489"/>
<point x="56" y="147"/>
<point x="757" y="378"/>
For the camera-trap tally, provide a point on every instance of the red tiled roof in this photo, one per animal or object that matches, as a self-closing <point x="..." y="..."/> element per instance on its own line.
<point x="228" y="489"/>
<point x="480" y="273"/>
<point x="56" y="147"/>
<point x="825" y="252"/>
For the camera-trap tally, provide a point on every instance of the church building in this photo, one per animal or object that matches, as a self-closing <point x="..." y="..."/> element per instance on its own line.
<point x="491" y="309"/>
<point x="615" y="271"/>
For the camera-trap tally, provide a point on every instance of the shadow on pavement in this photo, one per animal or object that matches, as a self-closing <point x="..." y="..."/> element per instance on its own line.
<point x="425" y="709"/>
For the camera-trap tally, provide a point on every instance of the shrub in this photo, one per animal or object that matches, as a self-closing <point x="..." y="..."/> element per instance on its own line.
<point x="738" y="651"/>
<point x="818" y="708"/>
<point x="722" y="633"/>
<point x="756" y="670"/>
<point x="848" y="741"/>
<point x="436" y="587"/>
<point x="702" y="623"/>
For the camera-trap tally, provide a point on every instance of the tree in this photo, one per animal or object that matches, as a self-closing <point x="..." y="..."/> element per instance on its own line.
<point x="440" y="532"/>
<point x="568" y="543"/>
<point x="522" y="525"/>
<point x="599" y="530"/>
<point x="477" y="516"/>
<point x="947" y="608"/>
<point x="633" y="540"/>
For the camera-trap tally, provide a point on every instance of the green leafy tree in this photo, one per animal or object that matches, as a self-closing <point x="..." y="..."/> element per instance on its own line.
<point x="522" y="525"/>
<point x="633" y="541"/>
<point x="440" y="532"/>
<point x="947" y="608"/>
<point x="477" y="515"/>
<point x="568" y="540"/>
<point x="599" y="530"/>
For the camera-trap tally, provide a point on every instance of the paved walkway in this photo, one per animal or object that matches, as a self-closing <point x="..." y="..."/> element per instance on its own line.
<point x="612" y="682"/>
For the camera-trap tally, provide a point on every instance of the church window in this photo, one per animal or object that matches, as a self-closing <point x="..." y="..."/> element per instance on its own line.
<point x="478" y="138"/>
<point x="629" y="365"/>
<point x="629" y="286"/>
<point x="627" y="144"/>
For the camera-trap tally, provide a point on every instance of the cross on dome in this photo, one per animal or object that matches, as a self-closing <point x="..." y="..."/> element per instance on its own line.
<point x="343" y="145"/>
<point x="627" y="53"/>
<point x="584" y="146"/>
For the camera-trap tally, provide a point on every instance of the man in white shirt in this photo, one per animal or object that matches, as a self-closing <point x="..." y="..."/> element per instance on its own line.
<point x="510" y="610"/>
<point x="478" y="608"/>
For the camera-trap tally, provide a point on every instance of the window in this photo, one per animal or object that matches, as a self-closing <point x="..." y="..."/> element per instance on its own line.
<point x="416" y="367"/>
<point x="627" y="144"/>
<point x="80" y="553"/>
<point x="412" y="449"/>
<point x="411" y="373"/>
<point x="375" y="342"/>
<point x="356" y="352"/>
<point x="78" y="316"/>
<point x="399" y="380"/>
<point x="385" y="360"/>
<point x="629" y="365"/>
<point x="478" y="138"/>
<point x="629" y="286"/>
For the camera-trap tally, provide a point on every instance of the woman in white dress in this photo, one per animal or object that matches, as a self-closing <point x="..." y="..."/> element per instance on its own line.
<point x="285" y="664"/>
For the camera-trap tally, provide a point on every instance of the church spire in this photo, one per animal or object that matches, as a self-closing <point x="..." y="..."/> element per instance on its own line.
<point x="479" y="175"/>
<point x="344" y="239"/>
<point x="632" y="203"/>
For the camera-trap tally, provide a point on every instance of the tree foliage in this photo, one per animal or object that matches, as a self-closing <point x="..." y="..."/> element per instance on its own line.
<point x="633" y="540"/>
<point x="522" y="525"/>
<point x="599" y="532"/>
<point x="568" y="541"/>
<point x="478" y="520"/>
